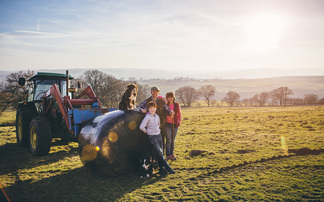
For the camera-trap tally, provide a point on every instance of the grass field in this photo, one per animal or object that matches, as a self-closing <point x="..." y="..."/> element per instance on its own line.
<point x="225" y="154"/>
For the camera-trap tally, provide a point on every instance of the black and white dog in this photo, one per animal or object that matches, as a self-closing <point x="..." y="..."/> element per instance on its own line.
<point x="146" y="166"/>
<point x="129" y="97"/>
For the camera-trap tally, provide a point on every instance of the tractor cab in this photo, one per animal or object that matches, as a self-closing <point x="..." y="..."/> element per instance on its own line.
<point x="38" y="84"/>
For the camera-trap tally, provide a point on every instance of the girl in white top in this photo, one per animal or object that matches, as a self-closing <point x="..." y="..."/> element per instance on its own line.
<point x="151" y="126"/>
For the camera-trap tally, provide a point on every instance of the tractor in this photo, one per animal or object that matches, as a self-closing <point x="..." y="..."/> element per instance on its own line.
<point x="51" y="111"/>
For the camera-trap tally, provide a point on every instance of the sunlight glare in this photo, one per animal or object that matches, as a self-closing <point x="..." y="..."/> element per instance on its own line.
<point x="132" y="125"/>
<point x="284" y="145"/>
<point x="112" y="137"/>
<point x="264" y="31"/>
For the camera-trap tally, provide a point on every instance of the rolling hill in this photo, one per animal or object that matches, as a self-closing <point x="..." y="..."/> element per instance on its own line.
<point x="246" y="82"/>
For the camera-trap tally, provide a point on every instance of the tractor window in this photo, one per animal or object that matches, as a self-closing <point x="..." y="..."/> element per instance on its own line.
<point x="30" y="89"/>
<point x="43" y="85"/>
<point x="63" y="88"/>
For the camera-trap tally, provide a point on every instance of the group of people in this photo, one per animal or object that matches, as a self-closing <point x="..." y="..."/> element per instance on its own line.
<point x="161" y="122"/>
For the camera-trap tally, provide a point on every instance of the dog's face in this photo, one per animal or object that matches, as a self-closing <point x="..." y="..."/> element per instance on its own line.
<point x="132" y="89"/>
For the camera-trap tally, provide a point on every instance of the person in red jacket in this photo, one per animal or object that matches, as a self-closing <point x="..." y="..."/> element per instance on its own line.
<point x="172" y="125"/>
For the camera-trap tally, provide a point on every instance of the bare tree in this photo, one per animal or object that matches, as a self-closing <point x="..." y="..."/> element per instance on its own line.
<point x="245" y="102"/>
<point x="112" y="91"/>
<point x="213" y="102"/>
<point x="143" y="92"/>
<point x="107" y="87"/>
<point x="187" y="95"/>
<point x="281" y="94"/>
<point x="94" y="78"/>
<point x="310" y="99"/>
<point x="297" y="101"/>
<point x="263" y="98"/>
<point x="231" y="97"/>
<point x="208" y="92"/>
<point x="321" y="101"/>
<point x="10" y="91"/>
<point x="255" y="99"/>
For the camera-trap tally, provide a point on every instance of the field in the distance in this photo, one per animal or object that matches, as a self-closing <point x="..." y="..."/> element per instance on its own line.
<point x="271" y="153"/>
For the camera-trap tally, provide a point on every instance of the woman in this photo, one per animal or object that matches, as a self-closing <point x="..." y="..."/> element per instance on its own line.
<point x="172" y="125"/>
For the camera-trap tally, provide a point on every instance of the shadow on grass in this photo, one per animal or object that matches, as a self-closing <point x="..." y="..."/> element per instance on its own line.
<point x="79" y="184"/>
<point x="292" y="153"/>
<point x="14" y="157"/>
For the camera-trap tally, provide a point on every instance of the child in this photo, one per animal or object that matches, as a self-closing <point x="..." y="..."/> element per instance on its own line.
<point x="151" y="126"/>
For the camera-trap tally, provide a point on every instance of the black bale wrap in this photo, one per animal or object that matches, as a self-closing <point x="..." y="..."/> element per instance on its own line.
<point x="113" y="142"/>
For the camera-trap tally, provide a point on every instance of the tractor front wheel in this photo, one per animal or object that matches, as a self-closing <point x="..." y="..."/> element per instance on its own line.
<point x="40" y="136"/>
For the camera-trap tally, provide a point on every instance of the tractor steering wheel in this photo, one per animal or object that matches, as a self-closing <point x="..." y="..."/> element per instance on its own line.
<point x="40" y="95"/>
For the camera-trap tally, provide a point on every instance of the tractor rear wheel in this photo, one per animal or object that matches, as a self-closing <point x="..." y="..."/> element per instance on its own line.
<point x="23" y="118"/>
<point x="40" y="136"/>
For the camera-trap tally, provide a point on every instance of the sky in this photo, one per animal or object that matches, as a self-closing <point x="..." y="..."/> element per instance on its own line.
<point x="186" y="35"/>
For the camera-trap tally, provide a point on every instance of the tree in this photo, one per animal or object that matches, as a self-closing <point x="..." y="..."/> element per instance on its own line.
<point x="106" y="87"/>
<point x="144" y="91"/>
<point x="112" y="91"/>
<point x="109" y="90"/>
<point x="263" y="98"/>
<point x="10" y="91"/>
<point x="208" y="92"/>
<point x="187" y="95"/>
<point x="245" y="102"/>
<point x="321" y="101"/>
<point x="255" y="99"/>
<point x="213" y="102"/>
<point x="281" y="94"/>
<point x="310" y="99"/>
<point x="231" y="97"/>
<point x="297" y="101"/>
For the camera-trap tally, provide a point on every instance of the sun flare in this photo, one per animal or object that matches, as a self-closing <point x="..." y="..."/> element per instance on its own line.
<point x="264" y="32"/>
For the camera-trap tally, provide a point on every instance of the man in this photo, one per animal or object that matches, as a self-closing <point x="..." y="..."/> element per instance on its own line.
<point x="162" y="108"/>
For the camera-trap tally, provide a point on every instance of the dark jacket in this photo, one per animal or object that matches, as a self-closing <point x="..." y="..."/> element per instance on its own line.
<point x="162" y="109"/>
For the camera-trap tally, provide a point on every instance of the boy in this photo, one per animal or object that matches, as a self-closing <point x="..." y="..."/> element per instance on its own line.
<point x="151" y="126"/>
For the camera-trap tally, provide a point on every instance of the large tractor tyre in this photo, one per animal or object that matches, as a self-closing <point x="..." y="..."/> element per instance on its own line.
<point x="23" y="119"/>
<point x="40" y="136"/>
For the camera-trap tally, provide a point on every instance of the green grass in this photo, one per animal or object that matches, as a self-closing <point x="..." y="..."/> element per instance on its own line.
<point x="8" y="118"/>
<point x="230" y="154"/>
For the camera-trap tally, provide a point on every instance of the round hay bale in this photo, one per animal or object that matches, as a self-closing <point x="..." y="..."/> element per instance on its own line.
<point x="113" y="142"/>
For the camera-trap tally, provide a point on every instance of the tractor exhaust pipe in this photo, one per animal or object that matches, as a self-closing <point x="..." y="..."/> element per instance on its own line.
<point x="67" y="82"/>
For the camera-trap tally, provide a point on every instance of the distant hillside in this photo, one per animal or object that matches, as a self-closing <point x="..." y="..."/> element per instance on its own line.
<point x="246" y="87"/>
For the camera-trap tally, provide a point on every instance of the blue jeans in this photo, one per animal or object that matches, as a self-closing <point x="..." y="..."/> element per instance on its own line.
<point x="156" y="142"/>
<point x="168" y="136"/>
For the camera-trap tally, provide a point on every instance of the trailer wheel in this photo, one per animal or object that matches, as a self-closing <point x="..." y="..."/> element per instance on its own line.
<point x="40" y="136"/>
<point x="23" y="118"/>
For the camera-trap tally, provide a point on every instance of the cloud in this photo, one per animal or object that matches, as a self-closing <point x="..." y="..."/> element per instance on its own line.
<point x="25" y="34"/>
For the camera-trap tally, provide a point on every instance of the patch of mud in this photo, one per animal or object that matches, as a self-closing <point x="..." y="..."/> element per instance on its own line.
<point x="194" y="153"/>
<point x="245" y="151"/>
<point x="305" y="151"/>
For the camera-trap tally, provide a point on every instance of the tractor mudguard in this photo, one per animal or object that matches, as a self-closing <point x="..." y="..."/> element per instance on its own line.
<point x="113" y="142"/>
